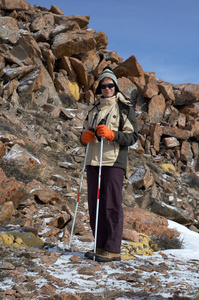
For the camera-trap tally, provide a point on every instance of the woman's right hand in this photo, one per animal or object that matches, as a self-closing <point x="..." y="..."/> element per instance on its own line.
<point x="87" y="137"/>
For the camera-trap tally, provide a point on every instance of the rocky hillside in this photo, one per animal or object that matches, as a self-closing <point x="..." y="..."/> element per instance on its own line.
<point x="49" y="67"/>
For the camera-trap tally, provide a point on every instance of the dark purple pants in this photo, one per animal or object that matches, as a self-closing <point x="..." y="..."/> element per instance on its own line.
<point x="110" y="221"/>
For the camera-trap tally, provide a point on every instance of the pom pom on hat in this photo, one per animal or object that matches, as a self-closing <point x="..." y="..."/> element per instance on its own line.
<point x="107" y="72"/>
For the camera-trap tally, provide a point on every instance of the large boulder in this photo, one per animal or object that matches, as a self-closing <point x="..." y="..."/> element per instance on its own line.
<point x="129" y="68"/>
<point x="148" y="223"/>
<point x="9" y="30"/>
<point x="186" y="93"/>
<point x="12" y="193"/>
<point x="14" y="5"/>
<point x="27" y="163"/>
<point x="73" y="43"/>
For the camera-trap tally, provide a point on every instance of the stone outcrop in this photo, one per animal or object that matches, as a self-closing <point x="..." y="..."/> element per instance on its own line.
<point x="148" y="223"/>
<point x="49" y="67"/>
<point x="74" y="54"/>
<point x="50" y="63"/>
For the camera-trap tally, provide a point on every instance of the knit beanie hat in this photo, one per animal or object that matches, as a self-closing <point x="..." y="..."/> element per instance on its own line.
<point x="107" y="72"/>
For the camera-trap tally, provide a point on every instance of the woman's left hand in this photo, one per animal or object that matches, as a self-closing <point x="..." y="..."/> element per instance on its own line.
<point x="104" y="131"/>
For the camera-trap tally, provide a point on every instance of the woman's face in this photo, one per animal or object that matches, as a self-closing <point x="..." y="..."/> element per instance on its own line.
<point x="107" y="91"/>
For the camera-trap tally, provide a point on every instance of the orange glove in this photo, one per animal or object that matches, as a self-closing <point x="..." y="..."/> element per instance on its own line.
<point x="87" y="137"/>
<point x="103" y="130"/>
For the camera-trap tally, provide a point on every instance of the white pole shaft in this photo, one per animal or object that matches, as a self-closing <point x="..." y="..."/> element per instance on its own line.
<point x="78" y="196"/>
<point x="98" y="196"/>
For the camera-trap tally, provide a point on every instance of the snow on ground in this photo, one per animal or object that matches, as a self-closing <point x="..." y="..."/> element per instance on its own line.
<point x="170" y="270"/>
<point x="190" y="241"/>
<point x="179" y="274"/>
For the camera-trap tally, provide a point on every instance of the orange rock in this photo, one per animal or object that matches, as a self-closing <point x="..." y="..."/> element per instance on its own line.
<point x="16" y="5"/>
<point x="148" y="223"/>
<point x="2" y="149"/>
<point x="12" y="190"/>
<point x="156" y="108"/>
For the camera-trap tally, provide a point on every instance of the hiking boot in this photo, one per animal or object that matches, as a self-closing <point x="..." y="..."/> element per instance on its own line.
<point x="90" y="254"/>
<point x="107" y="256"/>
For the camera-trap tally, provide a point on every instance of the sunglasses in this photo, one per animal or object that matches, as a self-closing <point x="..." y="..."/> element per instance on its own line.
<point x="109" y="86"/>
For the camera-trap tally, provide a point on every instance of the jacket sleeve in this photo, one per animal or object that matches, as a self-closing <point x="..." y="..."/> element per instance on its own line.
<point x="129" y="133"/>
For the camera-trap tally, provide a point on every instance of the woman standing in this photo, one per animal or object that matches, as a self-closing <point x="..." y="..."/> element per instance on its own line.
<point x="119" y="130"/>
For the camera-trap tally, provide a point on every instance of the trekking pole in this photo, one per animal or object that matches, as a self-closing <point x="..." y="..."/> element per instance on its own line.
<point x="98" y="196"/>
<point x="78" y="196"/>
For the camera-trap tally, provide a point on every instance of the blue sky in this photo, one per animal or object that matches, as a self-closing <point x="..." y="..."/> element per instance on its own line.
<point x="162" y="34"/>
